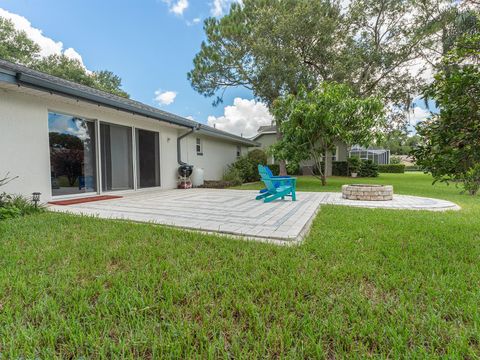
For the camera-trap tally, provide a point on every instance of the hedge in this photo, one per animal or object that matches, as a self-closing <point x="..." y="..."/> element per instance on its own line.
<point x="413" y="168"/>
<point x="339" y="168"/>
<point x="392" y="168"/>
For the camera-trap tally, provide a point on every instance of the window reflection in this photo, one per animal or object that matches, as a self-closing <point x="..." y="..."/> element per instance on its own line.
<point x="72" y="154"/>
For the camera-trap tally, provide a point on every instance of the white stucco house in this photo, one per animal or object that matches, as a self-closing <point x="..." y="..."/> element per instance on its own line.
<point x="66" y="140"/>
<point x="267" y="136"/>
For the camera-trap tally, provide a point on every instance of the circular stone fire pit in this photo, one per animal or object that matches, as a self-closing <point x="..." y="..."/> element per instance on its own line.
<point x="367" y="192"/>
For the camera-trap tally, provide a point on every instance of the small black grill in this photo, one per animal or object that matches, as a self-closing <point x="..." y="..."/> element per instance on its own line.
<point x="185" y="170"/>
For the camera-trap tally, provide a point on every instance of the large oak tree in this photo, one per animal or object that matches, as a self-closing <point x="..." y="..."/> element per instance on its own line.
<point x="275" y="47"/>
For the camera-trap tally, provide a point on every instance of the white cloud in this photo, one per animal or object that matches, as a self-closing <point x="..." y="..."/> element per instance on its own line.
<point x="47" y="45"/>
<point x="244" y="117"/>
<point x="73" y="54"/>
<point x="165" y="97"/>
<point x="177" y="7"/>
<point x="220" y="7"/>
<point x="195" y="21"/>
<point x="190" y="117"/>
<point x="418" y="114"/>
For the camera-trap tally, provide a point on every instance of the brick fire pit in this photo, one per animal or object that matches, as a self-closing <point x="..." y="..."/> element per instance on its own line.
<point x="367" y="192"/>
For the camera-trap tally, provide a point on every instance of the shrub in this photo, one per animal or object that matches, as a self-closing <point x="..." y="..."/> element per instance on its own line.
<point x="368" y="169"/>
<point x="293" y="168"/>
<point x="16" y="205"/>
<point x="471" y="180"/>
<point x="247" y="165"/>
<point x="412" y="168"/>
<point x="233" y="176"/>
<point x="257" y="156"/>
<point x="354" y="163"/>
<point x="395" y="160"/>
<point x="340" y="168"/>
<point x="392" y="168"/>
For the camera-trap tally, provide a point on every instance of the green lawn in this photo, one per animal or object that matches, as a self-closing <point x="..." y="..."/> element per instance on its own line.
<point x="379" y="283"/>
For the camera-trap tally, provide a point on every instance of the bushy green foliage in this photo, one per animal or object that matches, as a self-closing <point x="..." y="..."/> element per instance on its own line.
<point x="368" y="169"/>
<point x="391" y="168"/>
<point x="17" y="47"/>
<point x="12" y="206"/>
<point x="412" y="168"/>
<point x="395" y="160"/>
<point x="471" y="180"/>
<point x="450" y="145"/>
<point x="312" y="122"/>
<point x="340" y="168"/>
<point x="233" y="176"/>
<point x="354" y="163"/>
<point x="293" y="168"/>
<point x="247" y="165"/>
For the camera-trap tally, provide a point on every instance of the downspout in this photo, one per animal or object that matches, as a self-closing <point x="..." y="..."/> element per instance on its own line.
<point x="179" y="151"/>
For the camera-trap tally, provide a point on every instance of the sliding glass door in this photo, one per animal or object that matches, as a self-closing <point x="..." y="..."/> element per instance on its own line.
<point x="148" y="158"/>
<point x="72" y="154"/>
<point x="116" y="157"/>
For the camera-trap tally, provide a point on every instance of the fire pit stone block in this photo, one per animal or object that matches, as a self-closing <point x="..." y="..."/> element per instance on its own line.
<point x="367" y="192"/>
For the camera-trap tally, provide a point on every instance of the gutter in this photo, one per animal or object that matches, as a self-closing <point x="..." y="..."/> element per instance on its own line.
<point x="22" y="76"/>
<point x="179" y="150"/>
<point x="39" y="84"/>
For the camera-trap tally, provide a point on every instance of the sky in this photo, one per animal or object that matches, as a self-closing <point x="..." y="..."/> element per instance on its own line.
<point x="150" y="44"/>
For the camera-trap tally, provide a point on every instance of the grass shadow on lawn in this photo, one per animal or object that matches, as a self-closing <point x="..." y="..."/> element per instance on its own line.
<point x="366" y="282"/>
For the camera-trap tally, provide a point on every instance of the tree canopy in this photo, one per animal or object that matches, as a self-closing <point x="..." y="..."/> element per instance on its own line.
<point x="450" y="146"/>
<point x="271" y="48"/>
<point x="16" y="46"/>
<point x="274" y="47"/>
<point x="312" y="121"/>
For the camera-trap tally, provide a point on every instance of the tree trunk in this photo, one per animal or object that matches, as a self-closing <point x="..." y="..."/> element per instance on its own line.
<point x="281" y="163"/>
<point x="325" y="166"/>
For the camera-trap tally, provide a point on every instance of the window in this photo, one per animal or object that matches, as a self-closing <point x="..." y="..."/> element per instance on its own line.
<point x="72" y="154"/>
<point x="199" y="147"/>
<point x="239" y="151"/>
<point x="335" y="154"/>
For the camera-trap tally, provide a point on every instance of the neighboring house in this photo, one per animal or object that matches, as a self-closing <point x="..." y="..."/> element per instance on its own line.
<point x="377" y="155"/>
<point x="267" y="136"/>
<point x="65" y="139"/>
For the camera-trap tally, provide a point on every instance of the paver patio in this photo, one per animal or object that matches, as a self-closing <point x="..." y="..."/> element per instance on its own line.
<point x="235" y="212"/>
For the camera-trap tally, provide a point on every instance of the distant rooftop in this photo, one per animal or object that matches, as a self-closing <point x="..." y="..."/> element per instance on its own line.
<point x="267" y="128"/>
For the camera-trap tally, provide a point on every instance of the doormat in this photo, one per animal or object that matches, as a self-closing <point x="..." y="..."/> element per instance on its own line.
<point x="84" y="200"/>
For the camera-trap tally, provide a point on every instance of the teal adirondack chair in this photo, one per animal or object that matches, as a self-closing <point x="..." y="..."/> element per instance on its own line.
<point x="274" y="191"/>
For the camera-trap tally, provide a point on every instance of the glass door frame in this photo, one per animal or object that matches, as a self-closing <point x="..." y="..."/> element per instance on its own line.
<point x="98" y="158"/>
<point x="97" y="174"/>
<point x="137" y="175"/>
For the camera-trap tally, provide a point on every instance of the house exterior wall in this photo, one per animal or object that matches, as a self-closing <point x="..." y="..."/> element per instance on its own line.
<point x="217" y="154"/>
<point x="24" y="140"/>
<point x="267" y="140"/>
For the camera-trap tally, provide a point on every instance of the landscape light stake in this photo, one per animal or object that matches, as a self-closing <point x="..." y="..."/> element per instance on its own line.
<point x="36" y="198"/>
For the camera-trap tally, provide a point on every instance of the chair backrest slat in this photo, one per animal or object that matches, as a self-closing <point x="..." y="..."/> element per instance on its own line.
<point x="269" y="184"/>
<point x="266" y="178"/>
<point x="269" y="172"/>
